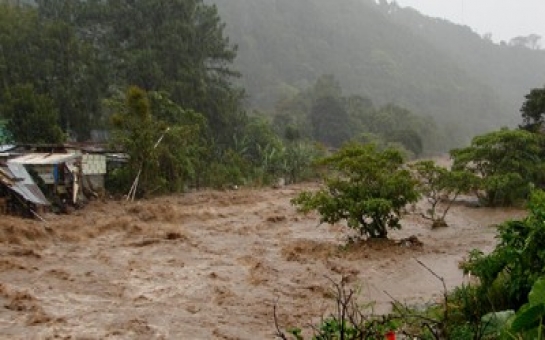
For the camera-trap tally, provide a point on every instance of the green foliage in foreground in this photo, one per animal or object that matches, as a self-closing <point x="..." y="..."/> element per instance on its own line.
<point x="368" y="188"/>
<point x="511" y="278"/>
<point x="334" y="329"/>
<point x="509" y="300"/>
<point x="529" y="322"/>
<point x="507" y="303"/>
<point x="351" y="321"/>
<point x="508" y="273"/>
<point x="526" y="323"/>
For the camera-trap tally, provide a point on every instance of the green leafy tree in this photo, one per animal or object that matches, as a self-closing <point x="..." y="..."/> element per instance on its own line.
<point x="32" y="117"/>
<point x="441" y="187"/>
<point x="160" y="138"/>
<point x="299" y="159"/>
<point x="367" y="188"/>
<point x="176" y="46"/>
<point x="42" y="46"/>
<point x="259" y="141"/>
<point x="75" y="70"/>
<point x="533" y="109"/>
<point x="180" y="150"/>
<point x="507" y="163"/>
<point x="257" y="151"/>
<point x="330" y="121"/>
<point x="136" y="132"/>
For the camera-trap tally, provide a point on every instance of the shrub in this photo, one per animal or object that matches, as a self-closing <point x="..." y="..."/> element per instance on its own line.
<point x="366" y="187"/>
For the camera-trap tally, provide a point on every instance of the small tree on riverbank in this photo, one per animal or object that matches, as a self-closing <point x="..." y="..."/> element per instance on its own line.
<point x="366" y="187"/>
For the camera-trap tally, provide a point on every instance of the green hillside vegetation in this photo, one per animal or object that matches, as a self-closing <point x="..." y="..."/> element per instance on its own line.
<point x="385" y="53"/>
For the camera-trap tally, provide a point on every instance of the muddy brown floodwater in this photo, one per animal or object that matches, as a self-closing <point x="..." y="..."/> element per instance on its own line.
<point x="211" y="265"/>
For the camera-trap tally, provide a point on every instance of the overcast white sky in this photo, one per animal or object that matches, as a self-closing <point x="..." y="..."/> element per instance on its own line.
<point x="505" y="19"/>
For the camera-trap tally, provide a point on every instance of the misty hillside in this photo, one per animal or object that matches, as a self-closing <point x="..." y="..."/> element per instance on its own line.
<point x="389" y="54"/>
<point x="512" y="71"/>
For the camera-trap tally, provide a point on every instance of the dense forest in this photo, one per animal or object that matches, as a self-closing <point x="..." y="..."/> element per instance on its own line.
<point x="248" y="91"/>
<point x="65" y="57"/>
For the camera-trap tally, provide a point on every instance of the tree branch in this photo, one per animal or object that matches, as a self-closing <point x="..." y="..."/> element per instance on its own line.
<point x="279" y="334"/>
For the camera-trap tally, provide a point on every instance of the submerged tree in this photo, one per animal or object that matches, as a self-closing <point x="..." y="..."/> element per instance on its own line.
<point x="441" y="187"/>
<point x="366" y="187"/>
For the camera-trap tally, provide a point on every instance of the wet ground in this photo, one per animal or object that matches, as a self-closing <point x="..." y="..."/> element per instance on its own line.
<point x="211" y="265"/>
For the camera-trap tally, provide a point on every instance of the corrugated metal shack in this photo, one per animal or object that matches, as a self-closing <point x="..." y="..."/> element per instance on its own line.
<point x="59" y="173"/>
<point x="19" y="194"/>
<point x="67" y="174"/>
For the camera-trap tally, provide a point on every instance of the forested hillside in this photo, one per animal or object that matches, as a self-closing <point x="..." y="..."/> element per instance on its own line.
<point x="385" y="53"/>
<point x="248" y="91"/>
<point x="511" y="70"/>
